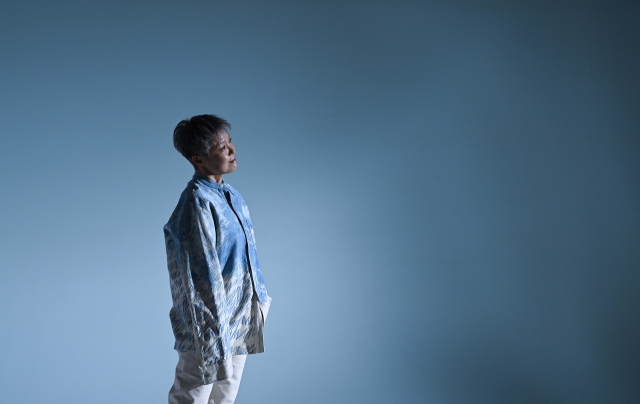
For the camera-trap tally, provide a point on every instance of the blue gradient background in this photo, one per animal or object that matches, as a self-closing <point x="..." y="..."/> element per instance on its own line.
<point x="446" y="196"/>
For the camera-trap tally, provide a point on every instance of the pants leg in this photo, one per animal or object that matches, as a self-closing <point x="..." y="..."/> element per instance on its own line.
<point x="188" y="389"/>
<point x="225" y="391"/>
<point x="187" y="386"/>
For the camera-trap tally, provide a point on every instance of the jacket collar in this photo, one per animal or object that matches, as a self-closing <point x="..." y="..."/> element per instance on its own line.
<point x="202" y="180"/>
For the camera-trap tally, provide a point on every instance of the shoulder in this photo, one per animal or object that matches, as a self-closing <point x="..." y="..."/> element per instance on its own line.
<point x="201" y="196"/>
<point x="194" y="197"/>
<point x="195" y="200"/>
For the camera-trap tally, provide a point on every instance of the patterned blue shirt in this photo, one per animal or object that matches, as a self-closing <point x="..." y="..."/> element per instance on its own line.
<point x="220" y="300"/>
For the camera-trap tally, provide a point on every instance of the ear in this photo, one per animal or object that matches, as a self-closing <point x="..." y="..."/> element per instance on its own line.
<point x="196" y="160"/>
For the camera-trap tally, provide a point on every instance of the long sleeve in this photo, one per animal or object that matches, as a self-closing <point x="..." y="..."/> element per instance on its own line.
<point x="197" y="271"/>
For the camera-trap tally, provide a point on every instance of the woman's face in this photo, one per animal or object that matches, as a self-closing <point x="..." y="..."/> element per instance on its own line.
<point x="221" y="159"/>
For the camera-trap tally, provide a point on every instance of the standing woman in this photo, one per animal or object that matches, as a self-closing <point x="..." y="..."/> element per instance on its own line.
<point x="220" y="301"/>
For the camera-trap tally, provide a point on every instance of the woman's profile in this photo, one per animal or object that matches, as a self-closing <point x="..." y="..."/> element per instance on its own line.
<point x="220" y="301"/>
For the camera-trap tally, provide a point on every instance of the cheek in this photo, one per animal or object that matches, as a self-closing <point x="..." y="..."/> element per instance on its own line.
<point x="216" y="163"/>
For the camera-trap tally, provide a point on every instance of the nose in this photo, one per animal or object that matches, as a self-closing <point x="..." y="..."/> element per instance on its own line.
<point x="232" y="149"/>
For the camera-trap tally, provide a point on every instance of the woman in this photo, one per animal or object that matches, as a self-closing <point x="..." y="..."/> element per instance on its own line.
<point x="220" y="301"/>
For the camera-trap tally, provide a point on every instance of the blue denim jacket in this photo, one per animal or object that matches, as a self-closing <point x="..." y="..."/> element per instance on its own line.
<point x="220" y="300"/>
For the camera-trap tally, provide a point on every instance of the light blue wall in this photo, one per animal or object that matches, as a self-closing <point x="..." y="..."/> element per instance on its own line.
<point x="446" y="197"/>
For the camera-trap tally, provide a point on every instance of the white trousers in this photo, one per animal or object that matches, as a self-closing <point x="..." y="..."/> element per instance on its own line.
<point x="188" y="389"/>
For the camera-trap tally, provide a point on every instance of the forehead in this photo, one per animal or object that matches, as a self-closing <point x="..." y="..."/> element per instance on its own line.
<point x="221" y="137"/>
